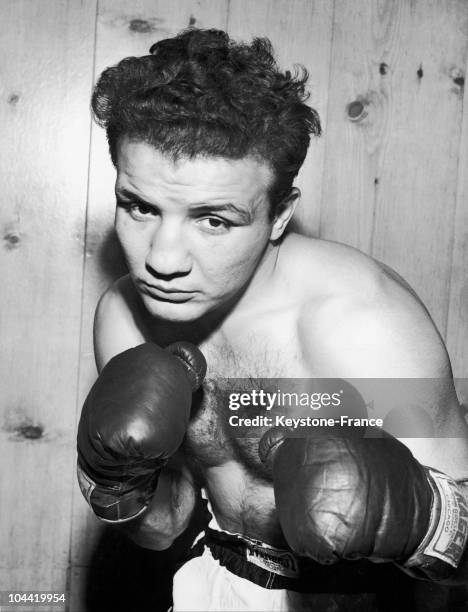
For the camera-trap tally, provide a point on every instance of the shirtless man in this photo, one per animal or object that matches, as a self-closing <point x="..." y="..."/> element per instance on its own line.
<point x="207" y="137"/>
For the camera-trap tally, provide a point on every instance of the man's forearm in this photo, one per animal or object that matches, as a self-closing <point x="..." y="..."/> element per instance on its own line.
<point x="168" y="514"/>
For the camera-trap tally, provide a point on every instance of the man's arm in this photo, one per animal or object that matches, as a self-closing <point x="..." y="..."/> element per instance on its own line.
<point x="355" y="497"/>
<point x="170" y="510"/>
<point x="388" y="348"/>
<point x="118" y="326"/>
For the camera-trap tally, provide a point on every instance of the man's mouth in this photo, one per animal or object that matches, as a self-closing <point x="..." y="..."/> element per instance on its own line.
<point x="166" y="294"/>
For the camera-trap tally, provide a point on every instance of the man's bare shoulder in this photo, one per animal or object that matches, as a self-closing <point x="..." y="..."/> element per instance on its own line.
<point x="321" y="268"/>
<point x="118" y="321"/>
<point x="359" y="317"/>
<point x="369" y="324"/>
<point x="119" y="297"/>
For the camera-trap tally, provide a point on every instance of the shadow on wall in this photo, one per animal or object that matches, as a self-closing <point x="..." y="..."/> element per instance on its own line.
<point x="110" y="260"/>
<point x="295" y="225"/>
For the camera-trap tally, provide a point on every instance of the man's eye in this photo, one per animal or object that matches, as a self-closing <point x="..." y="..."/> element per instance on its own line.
<point x="139" y="210"/>
<point x="215" y="224"/>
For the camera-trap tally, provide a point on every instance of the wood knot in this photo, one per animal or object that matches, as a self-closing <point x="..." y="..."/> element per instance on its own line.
<point x="420" y="72"/>
<point x="383" y="68"/>
<point x="457" y="77"/>
<point x="30" y="432"/>
<point x="192" y="21"/>
<point x="142" y="26"/>
<point x="356" y="110"/>
<point x="13" y="99"/>
<point x="11" y="240"/>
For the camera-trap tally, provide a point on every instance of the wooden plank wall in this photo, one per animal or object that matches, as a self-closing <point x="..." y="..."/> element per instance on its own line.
<point x="46" y="60"/>
<point x="389" y="176"/>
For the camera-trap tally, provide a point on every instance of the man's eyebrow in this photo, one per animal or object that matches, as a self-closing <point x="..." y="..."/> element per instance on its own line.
<point x="122" y="192"/>
<point x="228" y="207"/>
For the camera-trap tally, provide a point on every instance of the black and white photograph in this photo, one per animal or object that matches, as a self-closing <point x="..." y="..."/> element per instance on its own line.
<point x="234" y="306"/>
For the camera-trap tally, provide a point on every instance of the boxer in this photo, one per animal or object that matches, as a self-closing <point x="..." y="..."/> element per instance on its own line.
<point x="207" y="136"/>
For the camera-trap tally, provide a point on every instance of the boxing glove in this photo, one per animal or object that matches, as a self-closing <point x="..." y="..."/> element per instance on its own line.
<point x="134" y="418"/>
<point x="366" y="498"/>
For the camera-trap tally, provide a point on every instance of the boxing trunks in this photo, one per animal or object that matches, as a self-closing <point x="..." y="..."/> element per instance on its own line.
<point x="227" y="571"/>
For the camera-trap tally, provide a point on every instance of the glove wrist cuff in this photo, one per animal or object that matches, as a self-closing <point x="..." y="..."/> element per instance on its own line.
<point x="441" y="550"/>
<point x="114" y="505"/>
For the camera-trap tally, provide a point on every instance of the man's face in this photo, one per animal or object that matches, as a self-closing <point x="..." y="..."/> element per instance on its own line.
<point x="193" y="231"/>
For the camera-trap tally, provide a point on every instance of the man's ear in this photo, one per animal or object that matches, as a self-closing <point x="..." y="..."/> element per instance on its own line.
<point x="284" y="212"/>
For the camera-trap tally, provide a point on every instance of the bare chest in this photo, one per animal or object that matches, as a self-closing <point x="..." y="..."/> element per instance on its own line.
<point x="251" y="362"/>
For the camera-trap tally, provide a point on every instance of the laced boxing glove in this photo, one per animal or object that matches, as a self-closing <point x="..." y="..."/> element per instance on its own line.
<point x="366" y="498"/>
<point x="133" y="420"/>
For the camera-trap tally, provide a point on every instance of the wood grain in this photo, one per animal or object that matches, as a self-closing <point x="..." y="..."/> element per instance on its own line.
<point x="352" y="142"/>
<point x="416" y="195"/>
<point x="46" y="56"/>
<point x="390" y="180"/>
<point x="457" y="324"/>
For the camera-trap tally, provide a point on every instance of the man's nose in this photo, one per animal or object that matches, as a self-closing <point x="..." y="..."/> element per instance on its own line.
<point x="168" y="254"/>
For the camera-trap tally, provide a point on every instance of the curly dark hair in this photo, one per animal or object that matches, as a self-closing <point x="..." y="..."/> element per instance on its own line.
<point x="200" y="93"/>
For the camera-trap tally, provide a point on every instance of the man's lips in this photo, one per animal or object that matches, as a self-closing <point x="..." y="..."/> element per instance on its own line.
<point x="168" y="294"/>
